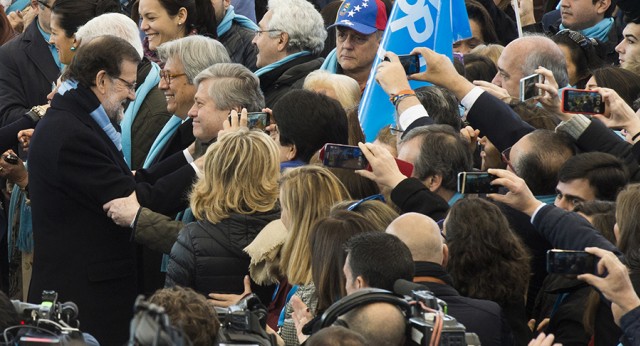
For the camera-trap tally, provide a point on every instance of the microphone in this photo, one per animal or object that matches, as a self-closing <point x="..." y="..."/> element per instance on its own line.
<point x="406" y="288"/>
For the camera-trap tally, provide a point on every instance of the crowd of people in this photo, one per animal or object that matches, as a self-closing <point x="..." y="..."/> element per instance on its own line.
<point x="131" y="168"/>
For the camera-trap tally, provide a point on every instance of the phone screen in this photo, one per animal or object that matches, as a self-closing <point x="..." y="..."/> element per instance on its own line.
<point x="344" y="156"/>
<point x="571" y="262"/>
<point x="528" y="89"/>
<point x="582" y="101"/>
<point x="476" y="182"/>
<point x="257" y="120"/>
<point x="410" y="63"/>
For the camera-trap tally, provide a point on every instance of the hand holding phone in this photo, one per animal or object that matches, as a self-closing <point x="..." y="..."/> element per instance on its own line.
<point x="410" y="63"/>
<point x="582" y="101"/>
<point x="383" y="168"/>
<point x="476" y="182"/>
<point x="528" y="88"/>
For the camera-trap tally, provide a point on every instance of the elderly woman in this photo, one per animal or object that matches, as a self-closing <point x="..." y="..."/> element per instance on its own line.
<point x="234" y="200"/>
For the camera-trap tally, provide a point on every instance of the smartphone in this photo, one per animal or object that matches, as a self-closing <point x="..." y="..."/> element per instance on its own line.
<point x="476" y="182"/>
<point x="255" y="120"/>
<point x="582" y="101"/>
<point x="571" y="262"/>
<point x="351" y="157"/>
<point x="410" y="63"/>
<point x="528" y="89"/>
<point x="258" y="120"/>
<point x="10" y="158"/>
<point x="344" y="156"/>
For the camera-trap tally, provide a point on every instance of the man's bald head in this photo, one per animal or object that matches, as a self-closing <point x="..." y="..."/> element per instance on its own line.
<point x="522" y="56"/>
<point x="381" y="324"/>
<point x="421" y="234"/>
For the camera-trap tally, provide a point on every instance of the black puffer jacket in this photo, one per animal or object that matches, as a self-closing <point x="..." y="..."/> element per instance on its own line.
<point x="238" y="43"/>
<point x="209" y="258"/>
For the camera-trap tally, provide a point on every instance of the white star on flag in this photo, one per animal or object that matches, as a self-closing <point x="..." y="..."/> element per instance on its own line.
<point x="365" y="4"/>
<point x="351" y="13"/>
<point x="357" y="8"/>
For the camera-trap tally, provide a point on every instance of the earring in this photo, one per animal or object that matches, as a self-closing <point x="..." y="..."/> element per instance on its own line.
<point x="73" y="49"/>
<point x="179" y="23"/>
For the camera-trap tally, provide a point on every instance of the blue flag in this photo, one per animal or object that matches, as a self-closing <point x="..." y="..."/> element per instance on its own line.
<point x="434" y="24"/>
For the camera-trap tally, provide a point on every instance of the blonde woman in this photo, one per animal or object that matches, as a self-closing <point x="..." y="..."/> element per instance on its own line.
<point x="339" y="87"/>
<point x="306" y="195"/>
<point x="234" y="200"/>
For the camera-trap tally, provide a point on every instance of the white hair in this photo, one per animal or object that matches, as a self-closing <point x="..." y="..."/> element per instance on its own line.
<point x="114" y="24"/>
<point x="301" y="21"/>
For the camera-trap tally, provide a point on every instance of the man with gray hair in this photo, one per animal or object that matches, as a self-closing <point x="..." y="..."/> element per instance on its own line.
<point x="221" y="89"/>
<point x="184" y="59"/>
<point x="290" y="38"/>
<point x="145" y="116"/>
<point x="521" y="58"/>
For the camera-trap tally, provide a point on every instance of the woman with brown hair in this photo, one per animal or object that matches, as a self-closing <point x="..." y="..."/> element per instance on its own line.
<point x="488" y="261"/>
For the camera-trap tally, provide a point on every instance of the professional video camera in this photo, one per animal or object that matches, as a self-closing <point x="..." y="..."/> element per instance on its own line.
<point x="426" y="322"/>
<point x="245" y="323"/>
<point x="48" y="323"/>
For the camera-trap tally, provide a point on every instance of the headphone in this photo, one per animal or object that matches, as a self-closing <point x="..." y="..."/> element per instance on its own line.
<point x="357" y="299"/>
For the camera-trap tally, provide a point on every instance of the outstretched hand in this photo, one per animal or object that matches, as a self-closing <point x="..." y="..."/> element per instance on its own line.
<point x="227" y="300"/>
<point x="519" y="196"/>
<point x="616" y="285"/>
<point x="384" y="169"/>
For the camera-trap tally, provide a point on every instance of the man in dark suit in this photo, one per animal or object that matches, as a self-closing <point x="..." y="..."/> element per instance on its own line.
<point x="422" y="235"/>
<point x="29" y="66"/>
<point x="75" y="166"/>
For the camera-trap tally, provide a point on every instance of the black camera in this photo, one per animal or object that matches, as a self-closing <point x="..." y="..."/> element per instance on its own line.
<point x="428" y="321"/>
<point x="422" y="311"/>
<point x="245" y="323"/>
<point x="47" y="323"/>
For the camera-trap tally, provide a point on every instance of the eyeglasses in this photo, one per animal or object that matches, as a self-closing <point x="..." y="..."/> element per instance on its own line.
<point x="44" y="3"/>
<point x="167" y="76"/>
<point x="395" y="131"/>
<point x="377" y="197"/>
<point x="506" y="158"/>
<point x="130" y="86"/>
<point x="258" y="32"/>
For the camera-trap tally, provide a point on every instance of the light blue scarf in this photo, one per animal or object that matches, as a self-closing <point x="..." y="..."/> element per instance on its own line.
<point x="153" y="77"/>
<point x="230" y="17"/>
<point x="546" y="199"/>
<point x="186" y="216"/>
<point x="331" y="62"/>
<point x="24" y="241"/>
<point x="52" y="47"/>
<point x="280" y="62"/>
<point x="455" y="198"/>
<point x="99" y="115"/>
<point x="599" y="31"/>
<point x="18" y="5"/>
<point x="163" y="137"/>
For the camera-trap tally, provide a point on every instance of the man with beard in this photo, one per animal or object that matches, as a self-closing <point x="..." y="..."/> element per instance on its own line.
<point x="75" y="166"/>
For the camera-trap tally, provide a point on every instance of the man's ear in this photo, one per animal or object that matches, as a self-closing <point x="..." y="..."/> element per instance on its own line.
<point x="360" y="282"/>
<point x="433" y="182"/>
<point x="283" y="41"/>
<point x="602" y="6"/>
<point x="100" y="81"/>
<point x="292" y="152"/>
<point x="445" y="255"/>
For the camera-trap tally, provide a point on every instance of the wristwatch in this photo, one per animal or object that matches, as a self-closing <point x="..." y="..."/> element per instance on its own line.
<point x="36" y="113"/>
